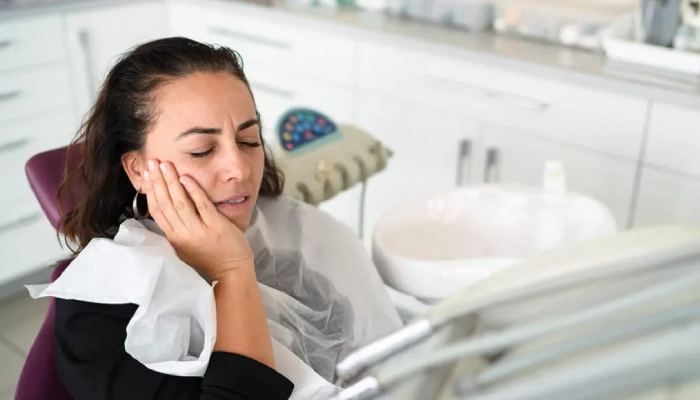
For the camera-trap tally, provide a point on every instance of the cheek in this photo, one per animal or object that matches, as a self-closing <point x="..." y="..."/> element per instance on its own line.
<point x="204" y="180"/>
<point x="258" y="166"/>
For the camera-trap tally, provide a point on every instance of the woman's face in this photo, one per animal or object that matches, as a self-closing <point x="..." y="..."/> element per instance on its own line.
<point x="208" y="129"/>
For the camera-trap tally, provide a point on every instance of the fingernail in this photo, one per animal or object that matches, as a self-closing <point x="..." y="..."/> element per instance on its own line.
<point x="145" y="176"/>
<point x="151" y="165"/>
<point x="183" y="181"/>
<point x="163" y="168"/>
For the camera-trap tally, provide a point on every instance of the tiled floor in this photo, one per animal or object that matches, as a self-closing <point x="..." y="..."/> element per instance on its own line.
<point x="20" y="320"/>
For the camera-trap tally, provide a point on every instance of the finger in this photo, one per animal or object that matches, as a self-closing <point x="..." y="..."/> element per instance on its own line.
<point x="153" y="208"/>
<point x="206" y="208"/>
<point x="181" y="202"/>
<point x="162" y="195"/>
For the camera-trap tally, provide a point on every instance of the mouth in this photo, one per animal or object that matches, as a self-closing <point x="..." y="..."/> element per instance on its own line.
<point x="236" y="205"/>
<point x="234" y="200"/>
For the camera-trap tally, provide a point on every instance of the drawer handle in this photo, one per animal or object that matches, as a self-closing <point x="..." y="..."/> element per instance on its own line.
<point x="19" y="222"/>
<point x="85" y="44"/>
<point x="463" y="162"/>
<point x="218" y="30"/>
<point x="520" y="101"/>
<point x="7" y="96"/>
<point x="5" y="43"/>
<point x="287" y="94"/>
<point x="503" y="97"/>
<point x="491" y="170"/>
<point x="13" y="145"/>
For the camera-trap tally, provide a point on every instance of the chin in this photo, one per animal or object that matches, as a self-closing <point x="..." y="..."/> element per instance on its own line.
<point x="242" y="222"/>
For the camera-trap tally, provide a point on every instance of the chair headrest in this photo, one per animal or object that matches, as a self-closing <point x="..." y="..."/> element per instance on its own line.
<point x="45" y="172"/>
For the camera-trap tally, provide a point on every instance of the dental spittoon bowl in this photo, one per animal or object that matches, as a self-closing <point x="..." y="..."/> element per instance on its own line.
<point x="433" y="247"/>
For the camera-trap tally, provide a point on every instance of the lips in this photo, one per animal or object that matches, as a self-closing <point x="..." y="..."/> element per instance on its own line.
<point x="236" y="199"/>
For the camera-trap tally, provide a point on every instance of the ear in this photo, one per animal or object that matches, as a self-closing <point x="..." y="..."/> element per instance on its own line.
<point x="134" y="165"/>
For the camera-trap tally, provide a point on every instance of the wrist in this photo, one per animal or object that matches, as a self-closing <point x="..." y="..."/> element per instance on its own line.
<point x="244" y="271"/>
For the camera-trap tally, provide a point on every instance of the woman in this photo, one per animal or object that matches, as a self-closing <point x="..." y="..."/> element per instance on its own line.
<point x="176" y="123"/>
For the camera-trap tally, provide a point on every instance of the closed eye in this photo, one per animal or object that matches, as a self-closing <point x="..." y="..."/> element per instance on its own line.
<point x="202" y="154"/>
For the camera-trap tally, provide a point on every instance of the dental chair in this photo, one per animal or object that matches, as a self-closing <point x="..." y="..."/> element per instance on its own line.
<point x="39" y="379"/>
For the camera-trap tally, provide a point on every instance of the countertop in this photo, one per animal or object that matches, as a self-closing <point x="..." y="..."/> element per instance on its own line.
<point x="551" y="61"/>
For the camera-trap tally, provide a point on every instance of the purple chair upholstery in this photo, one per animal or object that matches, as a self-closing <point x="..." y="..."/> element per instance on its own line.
<point x="39" y="379"/>
<point x="45" y="171"/>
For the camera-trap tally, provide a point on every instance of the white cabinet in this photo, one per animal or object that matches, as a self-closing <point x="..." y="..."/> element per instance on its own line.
<point x="267" y="40"/>
<point x="426" y="144"/>
<point x="31" y="41"/>
<point x="20" y="140"/>
<point x="594" y="119"/>
<point x="674" y="141"/>
<point x="30" y="92"/>
<point x="669" y="191"/>
<point x="98" y="36"/>
<point x="517" y="157"/>
<point x="667" y="197"/>
<point x="28" y="243"/>
<point x="36" y="114"/>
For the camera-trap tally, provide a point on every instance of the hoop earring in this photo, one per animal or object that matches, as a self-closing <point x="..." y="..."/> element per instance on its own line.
<point x="135" y="206"/>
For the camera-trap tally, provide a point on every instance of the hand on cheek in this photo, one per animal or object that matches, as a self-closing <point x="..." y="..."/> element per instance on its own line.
<point x="202" y="237"/>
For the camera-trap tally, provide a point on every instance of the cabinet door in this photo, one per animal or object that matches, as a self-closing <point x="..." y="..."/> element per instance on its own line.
<point x="426" y="147"/>
<point x="666" y="197"/>
<point x="518" y="157"/>
<point x="97" y="37"/>
<point x="673" y="142"/>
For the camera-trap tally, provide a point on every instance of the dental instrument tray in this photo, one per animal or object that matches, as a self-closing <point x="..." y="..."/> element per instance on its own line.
<point x="321" y="158"/>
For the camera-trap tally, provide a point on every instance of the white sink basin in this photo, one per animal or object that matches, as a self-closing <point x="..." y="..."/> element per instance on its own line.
<point x="433" y="247"/>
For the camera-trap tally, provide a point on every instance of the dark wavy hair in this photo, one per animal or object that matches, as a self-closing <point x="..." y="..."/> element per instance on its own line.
<point x="117" y="124"/>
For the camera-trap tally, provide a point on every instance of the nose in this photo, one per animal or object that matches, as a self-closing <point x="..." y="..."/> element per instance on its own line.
<point x="235" y="165"/>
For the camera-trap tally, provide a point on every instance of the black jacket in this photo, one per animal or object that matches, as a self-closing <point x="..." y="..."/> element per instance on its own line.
<point x="93" y="364"/>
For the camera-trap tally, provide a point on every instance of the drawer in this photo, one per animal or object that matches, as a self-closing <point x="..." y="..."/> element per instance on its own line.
<point x="269" y="42"/>
<point x="33" y="91"/>
<point x="30" y="41"/>
<point x="673" y="138"/>
<point x="26" y="245"/>
<point x="598" y="120"/>
<point x="667" y="198"/>
<point x="276" y="92"/>
<point x="20" y="140"/>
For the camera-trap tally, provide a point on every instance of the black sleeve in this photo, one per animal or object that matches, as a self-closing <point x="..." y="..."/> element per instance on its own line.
<point x="93" y="364"/>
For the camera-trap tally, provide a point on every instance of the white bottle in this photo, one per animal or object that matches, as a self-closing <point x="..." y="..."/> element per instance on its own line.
<point x="554" y="179"/>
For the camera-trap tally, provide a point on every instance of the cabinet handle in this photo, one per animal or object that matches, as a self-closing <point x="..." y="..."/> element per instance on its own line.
<point x="463" y="162"/>
<point x="287" y="94"/>
<point x="491" y="170"/>
<point x="520" y="101"/>
<point x="502" y="97"/>
<point x="13" y="145"/>
<point x="19" y="222"/>
<point x="7" y="96"/>
<point x="449" y="84"/>
<point x="86" y="49"/>
<point x="5" y="43"/>
<point x="218" y="30"/>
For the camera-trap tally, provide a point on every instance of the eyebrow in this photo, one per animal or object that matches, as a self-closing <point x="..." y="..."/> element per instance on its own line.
<point x="215" y="131"/>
